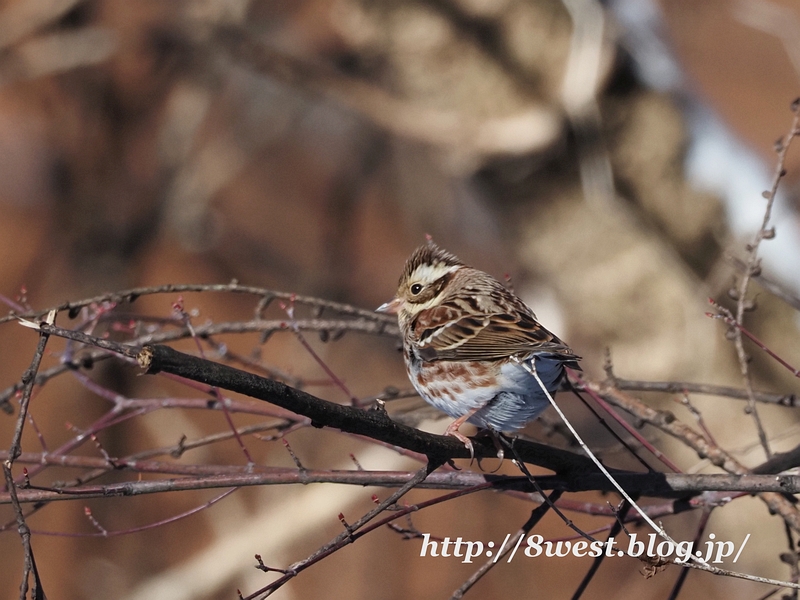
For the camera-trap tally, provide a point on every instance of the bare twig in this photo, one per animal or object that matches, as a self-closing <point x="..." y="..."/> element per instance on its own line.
<point x="197" y="477"/>
<point x="768" y="283"/>
<point x="28" y="379"/>
<point x="682" y="387"/>
<point x="752" y="266"/>
<point x="666" y="421"/>
<point x="530" y="368"/>
<point x="131" y="295"/>
<point x="635" y="434"/>
<point x="348" y="536"/>
<point x="536" y="516"/>
<point x="361" y="325"/>
<point x="724" y="315"/>
<point x="621" y="514"/>
<point x="694" y="561"/>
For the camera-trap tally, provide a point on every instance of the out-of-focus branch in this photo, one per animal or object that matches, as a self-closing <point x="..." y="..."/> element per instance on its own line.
<point x="666" y="422"/>
<point x="58" y="52"/>
<point x="19" y="19"/>
<point x="753" y="266"/>
<point x="681" y="387"/>
<point x="529" y="130"/>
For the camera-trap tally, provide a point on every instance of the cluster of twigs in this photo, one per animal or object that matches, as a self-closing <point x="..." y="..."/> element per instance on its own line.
<point x="102" y="328"/>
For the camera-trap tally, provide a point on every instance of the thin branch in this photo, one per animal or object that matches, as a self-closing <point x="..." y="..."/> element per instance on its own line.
<point x="722" y="314"/>
<point x="28" y="379"/>
<point x="694" y="561"/>
<point x="531" y="368"/>
<point x="682" y="387"/>
<point x="627" y="426"/>
<point x="701" y="527"/>
<point x="349" y="535"/>
<point x="774" y="287"/>
<point x="102" y="532"/>
<point x="667" y="422"/>
<point x="507" y="548"/>
<point x="131" y="295"/>
<point x="752" y="266"/>
<point x="620" y="515"/>
<point x="199" y="477"/>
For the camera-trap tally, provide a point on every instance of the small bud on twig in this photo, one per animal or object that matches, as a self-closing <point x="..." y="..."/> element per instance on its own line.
<point x="355" y="462"/>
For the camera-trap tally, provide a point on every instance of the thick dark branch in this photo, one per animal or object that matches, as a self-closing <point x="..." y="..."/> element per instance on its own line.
<point x="374" y="424"/>
<point x="780" y="462"/>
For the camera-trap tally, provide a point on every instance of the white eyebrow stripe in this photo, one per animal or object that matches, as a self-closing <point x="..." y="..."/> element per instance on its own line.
<point x="430" y="273"/>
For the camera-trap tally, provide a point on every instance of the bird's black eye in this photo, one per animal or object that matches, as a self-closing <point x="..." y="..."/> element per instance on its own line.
<point x="416" y="288"/>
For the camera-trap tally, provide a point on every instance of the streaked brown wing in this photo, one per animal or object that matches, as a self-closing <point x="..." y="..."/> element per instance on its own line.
<point x="452" y="335"/>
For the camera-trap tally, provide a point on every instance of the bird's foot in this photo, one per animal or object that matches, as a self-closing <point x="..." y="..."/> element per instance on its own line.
<point x="452" y="430"/>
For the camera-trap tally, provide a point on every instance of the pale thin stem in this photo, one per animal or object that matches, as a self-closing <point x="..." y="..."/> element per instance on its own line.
<point x="697" y="562"/>
<point x="347" y="536"/>
<point x="752" y="267"/>
<point x="530" y="368"/>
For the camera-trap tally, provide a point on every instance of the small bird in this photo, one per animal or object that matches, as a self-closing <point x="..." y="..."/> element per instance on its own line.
<point x="466" y="338"/>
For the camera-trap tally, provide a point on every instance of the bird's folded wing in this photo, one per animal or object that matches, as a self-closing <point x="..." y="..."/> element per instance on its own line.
<point x="485" y="337"/>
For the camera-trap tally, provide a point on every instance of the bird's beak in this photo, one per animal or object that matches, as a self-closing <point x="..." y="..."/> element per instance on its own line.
<point x="390" y="308"/>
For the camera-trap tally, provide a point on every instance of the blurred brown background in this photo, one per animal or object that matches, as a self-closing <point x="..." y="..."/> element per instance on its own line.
<point x="309" y="146"/>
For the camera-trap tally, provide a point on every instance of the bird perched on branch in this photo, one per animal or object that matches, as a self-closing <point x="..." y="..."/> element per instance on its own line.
<point x="470" y="344"/>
